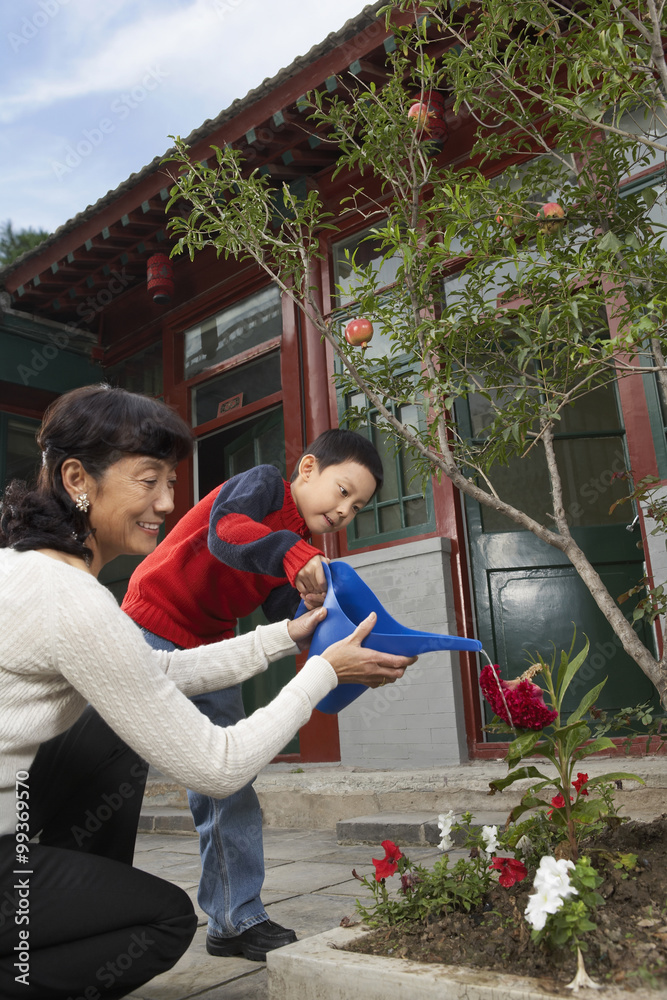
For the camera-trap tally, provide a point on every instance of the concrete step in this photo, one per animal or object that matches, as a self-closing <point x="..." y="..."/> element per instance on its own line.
<point x="165" y="819"/>
<point x="161" y="792"/>
<point x="321" y="796"/>
<point x="405" y="828"/>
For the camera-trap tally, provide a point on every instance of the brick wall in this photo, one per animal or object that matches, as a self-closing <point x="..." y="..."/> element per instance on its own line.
<point x="418" y="721"/>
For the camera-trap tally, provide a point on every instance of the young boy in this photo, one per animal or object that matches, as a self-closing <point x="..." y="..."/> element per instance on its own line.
<point x="242" y="547"/>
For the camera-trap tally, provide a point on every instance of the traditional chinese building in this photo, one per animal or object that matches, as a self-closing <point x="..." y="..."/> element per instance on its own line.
<point x="254" y="380"/>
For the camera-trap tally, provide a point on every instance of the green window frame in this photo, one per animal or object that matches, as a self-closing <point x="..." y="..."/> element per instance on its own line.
<point x="397" y="510"/>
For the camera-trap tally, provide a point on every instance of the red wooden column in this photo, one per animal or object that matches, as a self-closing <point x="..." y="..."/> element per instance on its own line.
<point x="319" y="738"/>
<point x="317" y="387"/>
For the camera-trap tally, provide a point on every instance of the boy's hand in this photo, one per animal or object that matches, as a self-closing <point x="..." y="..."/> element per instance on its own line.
<point x="311" y="582"/>
<point x="301" y="629"/>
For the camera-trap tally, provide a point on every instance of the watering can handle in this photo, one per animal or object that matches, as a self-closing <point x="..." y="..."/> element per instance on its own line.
<point x="301" y="610"/>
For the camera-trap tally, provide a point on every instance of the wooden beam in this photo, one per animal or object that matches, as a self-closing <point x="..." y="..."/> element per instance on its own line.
<point x="365" y="70"/>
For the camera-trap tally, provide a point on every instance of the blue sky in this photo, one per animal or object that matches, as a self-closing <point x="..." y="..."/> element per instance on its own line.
<point x="90" y="91"/>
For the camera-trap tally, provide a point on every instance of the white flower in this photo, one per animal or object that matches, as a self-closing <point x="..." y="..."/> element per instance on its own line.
<point x="540" y="904"/>
<point x="554" y="874"/>
<point x="552" y="886"/>
<point x="490" y="838"/>
<point x="445" y="823"/>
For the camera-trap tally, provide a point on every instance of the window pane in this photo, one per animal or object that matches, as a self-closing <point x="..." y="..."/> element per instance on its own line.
<point x="415" y="512"/>
<point x="239" y="447"/>
<point x="390" y="518"/>
<point x="590" y="471"/>
<point x="246" y="324"/>
<point x="236" y="388"/>
<point x="389" y="489"/>
<point x="364" y="524"/>
<point x="398" y="504"/>
<point x="365" y="251"/>
<point x="523" y="483"/>
<point x="140" y="373"/>
<point x="592" y="413"/>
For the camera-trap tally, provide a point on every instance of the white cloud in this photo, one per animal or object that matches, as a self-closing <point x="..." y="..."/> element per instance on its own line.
<point x="205" y="45"/>
<point x="78" y="67"/>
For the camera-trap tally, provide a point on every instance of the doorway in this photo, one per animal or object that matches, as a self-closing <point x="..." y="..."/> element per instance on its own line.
<point x="235" y="448"/>
<point x="528" y="596"/>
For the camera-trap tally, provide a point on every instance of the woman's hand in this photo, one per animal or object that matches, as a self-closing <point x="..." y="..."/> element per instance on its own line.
<point x="301" y="629"/>
<point x="357" y="664"/>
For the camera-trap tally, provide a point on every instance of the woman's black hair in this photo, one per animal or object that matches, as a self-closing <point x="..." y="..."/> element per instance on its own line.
<point x="339" y="445"/>
<point x="99" y="425"/>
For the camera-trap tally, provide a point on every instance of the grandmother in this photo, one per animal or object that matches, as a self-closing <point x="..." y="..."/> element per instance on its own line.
<point x="85" y="703"/>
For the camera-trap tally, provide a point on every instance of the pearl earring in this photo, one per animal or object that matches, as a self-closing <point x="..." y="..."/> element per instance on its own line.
<point x="82" y="503"/>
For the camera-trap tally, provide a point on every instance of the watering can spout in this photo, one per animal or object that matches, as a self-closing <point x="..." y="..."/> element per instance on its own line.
<point x="348" y="602"/>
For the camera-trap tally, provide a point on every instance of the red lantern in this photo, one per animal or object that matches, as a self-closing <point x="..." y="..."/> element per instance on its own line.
<point x="160" y="278"/>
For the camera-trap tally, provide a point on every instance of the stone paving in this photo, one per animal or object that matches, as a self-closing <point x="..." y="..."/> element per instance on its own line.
<point x="308" y="886"/>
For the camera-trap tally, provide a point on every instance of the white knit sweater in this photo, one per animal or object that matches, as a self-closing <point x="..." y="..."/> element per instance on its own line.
<point x="65" y="642"/>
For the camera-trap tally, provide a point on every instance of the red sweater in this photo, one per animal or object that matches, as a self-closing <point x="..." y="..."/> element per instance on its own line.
<point x="238" y="549"/>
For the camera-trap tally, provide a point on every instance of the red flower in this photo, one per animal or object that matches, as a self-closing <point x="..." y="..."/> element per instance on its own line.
<point x="519" y="702"/>
<point x="558" y="802"/>
<point x="579" y="784"/>
<point x="387" y="865"/>
<point x="510" y="869"/>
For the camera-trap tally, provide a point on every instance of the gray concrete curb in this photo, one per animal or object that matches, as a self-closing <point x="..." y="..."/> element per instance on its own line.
<point x="316" y="969"/>
<point x="419" y="829"/>
<point x="317" y="797"/>
<point x="322" y="797"/>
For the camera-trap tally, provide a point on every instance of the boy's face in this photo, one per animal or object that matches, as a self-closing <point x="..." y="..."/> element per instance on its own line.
<point x="329" y="500"/>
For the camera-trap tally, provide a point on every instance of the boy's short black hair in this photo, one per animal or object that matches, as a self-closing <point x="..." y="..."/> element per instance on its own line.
<point x="338" y="445"/>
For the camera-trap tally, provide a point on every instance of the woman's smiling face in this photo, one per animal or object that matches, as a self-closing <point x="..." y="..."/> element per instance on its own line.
<point x="128" y="506"/>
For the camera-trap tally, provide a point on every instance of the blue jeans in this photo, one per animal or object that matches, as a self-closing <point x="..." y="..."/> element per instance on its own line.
<point x="230" y="831"/>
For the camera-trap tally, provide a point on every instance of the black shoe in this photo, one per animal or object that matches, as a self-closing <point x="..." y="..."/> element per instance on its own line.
<point x="253" y="943"/>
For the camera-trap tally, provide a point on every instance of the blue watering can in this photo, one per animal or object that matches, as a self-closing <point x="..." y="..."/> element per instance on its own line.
<point x="348" y="601"/>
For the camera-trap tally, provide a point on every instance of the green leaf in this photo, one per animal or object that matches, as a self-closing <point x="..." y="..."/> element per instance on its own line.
<point x="521" y="747"/>
<point x="650" y="196"/>
<point x="588" y="810"/>
<point x="601" y="743"/>
<point x="527" y="802"/>
<point x="568" y="674"/>
<point x="609" y="242"/>
<point x="544" y="321"/>
<point x="614" y="776"/>
<point x="520" y="774"/>
<point x="589" y="699"/>
<point x="574" y="738"/>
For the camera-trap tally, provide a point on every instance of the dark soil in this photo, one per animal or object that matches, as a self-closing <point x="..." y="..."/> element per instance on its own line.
<point x="629" y="946"/>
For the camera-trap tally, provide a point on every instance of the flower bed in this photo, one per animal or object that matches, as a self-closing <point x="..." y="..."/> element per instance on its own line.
<point x="566" y="889"/>
<point x="628" y="946"/>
